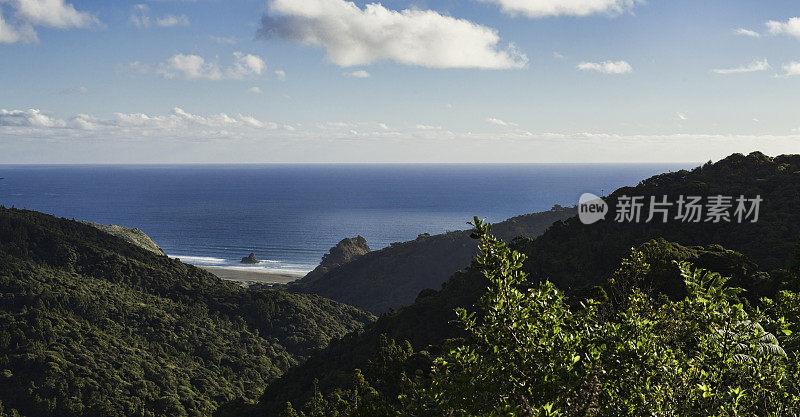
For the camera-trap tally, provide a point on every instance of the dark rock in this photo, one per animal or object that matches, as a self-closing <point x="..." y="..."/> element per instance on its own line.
<point x="250" y="259"/>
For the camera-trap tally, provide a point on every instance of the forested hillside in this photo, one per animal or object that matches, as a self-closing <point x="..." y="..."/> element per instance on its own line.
<point x="580" y="260"/>
<point x="93" y="325"/>
<point x="393" y="277"/>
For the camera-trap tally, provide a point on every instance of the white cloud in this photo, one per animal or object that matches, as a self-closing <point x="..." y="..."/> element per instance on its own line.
<point x="28" y="118"/>
<point x="190" y="67"/>
<point x="354" y="36"/>
<point x="45" y="13"/>
<point x="557" y="55"/>
<point x="141" y="18"/>
<point x="195" y="67"/>
<point x="280" y="75"/>
<point x="545" y="8"/>
<point x="607" y="67"/>
<point x="250" y="121"/>
<point x="137" y="67"/>
<point x="748" y="32"/>
<point x="246" y="65"/>
<point x="172" y="20"/>
<point x="177" y="119"/>
<point x="52" y="13"/>
<point x="85" y="122"/>
<point x="682" y="116"/>
<point x="758" y="65"/>
<point x="790" y="27"/>
<point x="8" y="33"/>
<point x="357" y="74"/>
<point x="791" y="69"/>
<point x="357" y="127"/>
<point x="254" y="90"/>
<point x="497" y="122"/>
<point x="335" y="125"/>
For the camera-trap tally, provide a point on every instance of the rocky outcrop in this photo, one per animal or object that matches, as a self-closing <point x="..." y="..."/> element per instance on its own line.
<point x="131" y="235"/>
<point x="250" y="259"/>
<point x="345" y="251"/>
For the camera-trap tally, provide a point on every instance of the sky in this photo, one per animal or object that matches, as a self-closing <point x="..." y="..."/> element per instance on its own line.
<point x="439" y="81"/>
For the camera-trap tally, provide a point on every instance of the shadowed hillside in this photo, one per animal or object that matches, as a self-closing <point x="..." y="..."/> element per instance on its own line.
<point x="572" y="254"/>
<point x="392" y="277"/>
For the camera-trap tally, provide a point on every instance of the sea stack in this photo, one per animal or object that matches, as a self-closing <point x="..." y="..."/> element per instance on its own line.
<point x="250" y="259"/>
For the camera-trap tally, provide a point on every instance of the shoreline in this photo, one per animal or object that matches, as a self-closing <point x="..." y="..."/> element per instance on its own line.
<point x="244" y="276"/>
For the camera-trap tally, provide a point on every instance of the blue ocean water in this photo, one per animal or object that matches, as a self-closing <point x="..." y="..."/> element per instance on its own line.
<point x="290" y="215"/>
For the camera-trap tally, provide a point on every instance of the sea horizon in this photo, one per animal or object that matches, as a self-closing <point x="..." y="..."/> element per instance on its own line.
<point x="289" y="215"/>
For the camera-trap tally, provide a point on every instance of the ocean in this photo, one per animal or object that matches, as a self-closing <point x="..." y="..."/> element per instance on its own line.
<point x="290" y="215"/>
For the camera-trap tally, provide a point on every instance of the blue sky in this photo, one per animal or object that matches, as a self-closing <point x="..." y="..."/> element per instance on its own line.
<point x="401" y="81"/>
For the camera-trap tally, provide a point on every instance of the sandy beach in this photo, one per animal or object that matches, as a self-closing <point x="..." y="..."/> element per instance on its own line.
<point x="252" y="276"/>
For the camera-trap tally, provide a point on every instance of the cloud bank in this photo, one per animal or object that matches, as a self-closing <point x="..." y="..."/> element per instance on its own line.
<point x="755" y="66"/>
<point x="28" y="118"/>
<point x="195" y="67"/>
<point x="354" y="36"/>
<point x="35" y="136"/>
<point x="176" y="120"/>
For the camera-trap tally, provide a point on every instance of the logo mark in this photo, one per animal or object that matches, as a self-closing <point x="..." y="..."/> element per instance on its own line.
<point x="591" y="208"/>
